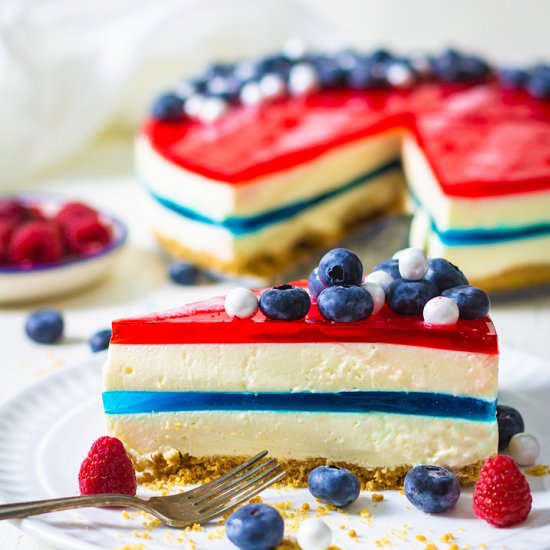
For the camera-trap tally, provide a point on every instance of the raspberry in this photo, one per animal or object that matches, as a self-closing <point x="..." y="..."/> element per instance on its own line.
<point x="86" y="235"/>
<point x="107" y="469"/>
<point x="6" y="231"/>
<point x="502" y="496"/>
<point x="35" y="242"/>
<point x="14" y="211"/>
<point x="72" y="211"/>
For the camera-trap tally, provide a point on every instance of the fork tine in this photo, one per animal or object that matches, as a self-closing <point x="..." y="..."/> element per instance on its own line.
<point x="235" y="491"/>
<point x="211" y="514"/>
<point x="215" y="483"/>
<point x="238" y="480"/>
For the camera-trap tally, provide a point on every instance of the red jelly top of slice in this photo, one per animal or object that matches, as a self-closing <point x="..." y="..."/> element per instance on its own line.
<point x="207" y="323"/>
<point x="481" y="140"/>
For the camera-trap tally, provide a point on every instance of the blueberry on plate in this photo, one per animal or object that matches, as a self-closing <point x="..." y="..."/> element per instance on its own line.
<point x="472" y="302"/>
<point x="285" y="303"/>
<point x="345" y="303"/>
<point x="167" y="107"/>
<point x="340" y="266"/>
<point x="255" y="527"/>
<point x="391" y="266"/>
<point x="334" y="485"/>
<point x="183" y="273"/>
<point x="443" y="274"/>
<point x="44" y="326"/>
<point x="100" y="340"/>
<point x="432" y="489"/>
<point x="510" y="423"/>
<point x="409" y="297"/>
<point x="314" y="285"/>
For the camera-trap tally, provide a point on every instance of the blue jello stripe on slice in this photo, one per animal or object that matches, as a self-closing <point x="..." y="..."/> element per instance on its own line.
<point x="396" y="402"/>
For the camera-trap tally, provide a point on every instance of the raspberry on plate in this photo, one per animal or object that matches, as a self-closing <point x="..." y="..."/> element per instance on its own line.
<point x="502" y="496"/>
<point x="7" y="228"/>
<point x="14" y="211"/>
<point x="107" y="469"/>
<point x="35" y="242"/>
<point x="75" y="210"/>
<point x="86" y="235"/>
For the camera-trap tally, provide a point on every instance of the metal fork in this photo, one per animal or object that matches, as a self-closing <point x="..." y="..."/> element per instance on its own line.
<point x="198" y="505"/>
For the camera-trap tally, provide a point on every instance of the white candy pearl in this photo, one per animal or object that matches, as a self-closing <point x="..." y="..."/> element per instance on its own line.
<point x="398" y="254"/>
<point x="377" y="293"/>
<point x="399" y="75"/>
<point x="380" y="277"/>
<point x="213" y="108"/>
<point x="295" y="47"/>
<point x="193" y="105"/>
<point x="241" y="303"/>
<point x="251" y="94"/>
<point x="441" y="311"/>
<point x="314" y="534"/>
<point x="524" y="449"/>
<point x="302" y="79"/>
<point x="272" y="86"/>
<point x="413" y="264"/>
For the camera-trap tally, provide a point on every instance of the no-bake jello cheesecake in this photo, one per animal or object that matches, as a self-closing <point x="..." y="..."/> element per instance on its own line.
<point x="344" y="380"/>
<point x="255" y="163"/>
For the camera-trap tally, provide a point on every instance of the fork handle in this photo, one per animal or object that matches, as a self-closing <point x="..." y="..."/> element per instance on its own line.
<point x="33" y="508"/>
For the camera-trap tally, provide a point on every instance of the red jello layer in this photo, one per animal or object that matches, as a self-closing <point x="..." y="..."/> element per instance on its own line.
<point x="207" y="323"/>
<point x="495" y="142"/>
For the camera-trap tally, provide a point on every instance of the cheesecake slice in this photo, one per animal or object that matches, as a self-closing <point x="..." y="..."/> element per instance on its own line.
<point x="191" y="391"/>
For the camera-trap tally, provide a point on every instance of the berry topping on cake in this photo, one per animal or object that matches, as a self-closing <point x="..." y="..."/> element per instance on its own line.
<point x="473" y="303"/>
<point x="107" y="469"/>
<point x="285" y="303"/>
<point x="441" y="311"/>
<point x="35" y="242"/>
<point x="167" y="107"/>
<point x="502" y="496"/>
<point x="413" y="264"/>
<point x="377" y="294"/>
<point x="183" y="273"/>
<point x="44" y="326"/>
<point x="409" y="297"/>
<point x="100" y="340"/>
<point x="314" y="284"/>
<point x="524" y="449"/>
<point x="340" y="266"/>
<point x="432" y="489"/>
<point x="241" y="303"/>
<point x="510" y="423"/>
<point x="86" y="235"/>
<point x="391" y="266"/>
<point x="255" y="527"/>
<point x="334" y="485"/>
<point x="443" y="274"/>
<point x="345" y="303"/>
<point x="314" y="534"/>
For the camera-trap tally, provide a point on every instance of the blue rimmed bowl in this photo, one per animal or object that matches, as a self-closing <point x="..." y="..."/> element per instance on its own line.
<point x="41" y="281"/>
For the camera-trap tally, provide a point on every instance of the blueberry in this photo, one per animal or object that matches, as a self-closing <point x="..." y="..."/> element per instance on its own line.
<point x="340" y="267"/>
<point x="345" y="304"/>
<point x="44" y="326"/>
<point x="473" y="303"/>
<point x="510" y="423"/>
<point x="380" y="55"/>
<point x="285" y="303"/>
<point x="474" y="69"/>
<point x="216" y="69"/>
<point x="367" y="74"/>
<point x="167" y="107"/>
<point x="348" y="59"/>
<point x="390" y="266"/>
<point x="226" y="88"/>
<point x="255" y="527"/>
<point x="443" y="274"/>
<point x="334" y="485"/>
<point x="100" y="340"/>
<point x="446" y="66"/>
<point x="275" y="63"/>
<point x="538" y="84"/>
<point x="183" y="273"/>
<point x="314" y="285"/>
<point x="432" y="489"/>
<point x="512" y="77"/>
<point x="330" y="73"/>
<point x="409" y="297"/>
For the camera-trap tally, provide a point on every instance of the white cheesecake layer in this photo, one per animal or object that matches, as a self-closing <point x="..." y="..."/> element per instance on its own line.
<point x="218" y="200"/>
<point x="300" y="367"/>
<point x="369" y="440"/>
<point x="326" y="220"/>
<point x="509" y="211"/>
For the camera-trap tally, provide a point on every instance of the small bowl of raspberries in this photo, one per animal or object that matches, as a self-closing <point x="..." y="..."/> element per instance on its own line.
<point x="50" y="245"/>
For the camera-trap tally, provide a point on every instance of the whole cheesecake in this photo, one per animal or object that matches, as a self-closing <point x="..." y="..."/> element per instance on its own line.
<point x="254" y="164"/>
<point x="194" y="390"/>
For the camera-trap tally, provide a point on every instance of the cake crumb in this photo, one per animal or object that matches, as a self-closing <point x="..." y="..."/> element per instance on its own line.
<point x="448" y="538"/>
<point x="402" y="491"/>
<point x="377" y="497"/>
<point x="538" y="470"/>
<point x="352" y="533"/>
<point x="305" y="506"/>
<point x="420" y="538"/>
<point x="288" y="544"/>
<point x="256" y="500"/>
<point x="142" y="535"/>
<point x="125" y="514"/>
<point x="132" y="547"/>
<point x="430" y="546"/>
<point x="453" y="546"/>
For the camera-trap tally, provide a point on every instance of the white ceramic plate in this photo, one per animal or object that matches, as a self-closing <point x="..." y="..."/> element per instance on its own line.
<point x="46" y="430"/>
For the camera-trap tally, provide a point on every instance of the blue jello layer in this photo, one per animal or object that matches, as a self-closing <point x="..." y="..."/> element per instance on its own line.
<point x="397" y="402"/>
<point x="250" y="224"/>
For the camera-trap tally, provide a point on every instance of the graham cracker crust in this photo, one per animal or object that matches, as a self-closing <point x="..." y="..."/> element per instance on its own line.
<point x="162" y="471"/>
